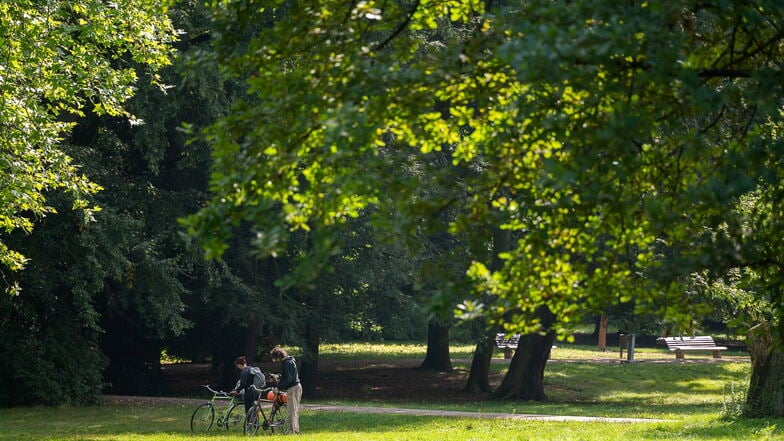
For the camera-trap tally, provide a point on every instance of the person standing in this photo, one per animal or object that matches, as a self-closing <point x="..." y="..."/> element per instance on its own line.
<point x="289" y="382"/>
<point x="246" y="380"/>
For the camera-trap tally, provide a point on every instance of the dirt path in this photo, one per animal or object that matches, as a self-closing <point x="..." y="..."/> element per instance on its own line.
<point x="126" y="399"/>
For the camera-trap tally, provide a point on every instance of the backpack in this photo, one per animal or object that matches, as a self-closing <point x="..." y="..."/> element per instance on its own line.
<point x="258" y="377"/>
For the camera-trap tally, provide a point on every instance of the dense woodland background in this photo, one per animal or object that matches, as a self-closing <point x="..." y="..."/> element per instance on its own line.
<point x="411" y="170"/>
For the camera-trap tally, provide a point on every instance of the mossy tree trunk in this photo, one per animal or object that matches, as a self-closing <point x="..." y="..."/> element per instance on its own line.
<point x="766" y="389"/>
<point x="525" y="378"/>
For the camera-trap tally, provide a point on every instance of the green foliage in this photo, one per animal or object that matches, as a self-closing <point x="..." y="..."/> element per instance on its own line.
<point x="734" y="404"/>
<point x="608" y="139"/>
<point x="50" y="333"/>
<point x="733" y="299"/>
<point x="126" y="280"/>
<point x="59" y="60"/>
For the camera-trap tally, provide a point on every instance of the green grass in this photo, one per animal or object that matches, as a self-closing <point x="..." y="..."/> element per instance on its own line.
<point x="689" y="394"/>
<point x="170" y="423"/>
<point x="648" y="390"/>
<point x="562" y="351"/>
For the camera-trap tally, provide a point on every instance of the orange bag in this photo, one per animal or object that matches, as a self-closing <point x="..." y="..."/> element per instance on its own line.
<point x="281" y="397"/>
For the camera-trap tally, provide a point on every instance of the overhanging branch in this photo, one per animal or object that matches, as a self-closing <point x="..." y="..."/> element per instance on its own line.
<point x="402" y="26"/>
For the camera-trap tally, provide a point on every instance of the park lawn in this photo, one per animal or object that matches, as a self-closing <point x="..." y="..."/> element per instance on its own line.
<point x="124" y="422"/>
<point x="690" y="395"/>
<point x="582" y="381"/>
<point x="672" y="391"/>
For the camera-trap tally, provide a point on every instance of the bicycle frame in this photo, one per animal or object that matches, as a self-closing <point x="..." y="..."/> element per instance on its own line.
<point x="223" y="412"/>
<point x="275" y="421"/>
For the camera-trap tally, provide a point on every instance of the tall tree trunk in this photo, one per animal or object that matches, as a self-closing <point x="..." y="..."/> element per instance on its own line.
<point x="602" y="333"/>
<point x="525" y="378"/>
<point x="766" y="390"/>
<point x="437" y="357"/>
<point x="308" y="371"/>
<point x="478" y="377"/>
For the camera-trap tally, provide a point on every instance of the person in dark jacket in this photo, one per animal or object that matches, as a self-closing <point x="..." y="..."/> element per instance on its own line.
<point x="289" y="383"/>
<point x="246" y="380"/>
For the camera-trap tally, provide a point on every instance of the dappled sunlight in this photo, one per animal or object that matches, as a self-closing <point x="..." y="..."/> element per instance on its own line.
<point x="663" y="387"/>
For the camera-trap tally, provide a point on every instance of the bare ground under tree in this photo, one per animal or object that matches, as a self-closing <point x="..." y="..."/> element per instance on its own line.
<point x="369" y="382"/>
<point x="376" y="382"/>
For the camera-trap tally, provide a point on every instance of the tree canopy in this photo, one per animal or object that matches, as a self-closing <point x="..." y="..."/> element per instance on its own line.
<point x="59" y="60"/>
<point x="609" y="138"/>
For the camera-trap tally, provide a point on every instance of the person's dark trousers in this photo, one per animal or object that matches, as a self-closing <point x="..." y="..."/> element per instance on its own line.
<point x="250" y="397"/>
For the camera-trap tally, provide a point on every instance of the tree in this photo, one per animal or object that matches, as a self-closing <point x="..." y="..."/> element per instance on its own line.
<point x="601" y="134"/>
<point x="752" y="289"/>
<point x="61" y="62"/>
<point x="61" y="59"/>
<point x="53" y="325"/>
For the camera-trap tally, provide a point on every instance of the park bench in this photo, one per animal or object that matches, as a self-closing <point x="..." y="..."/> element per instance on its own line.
<point x="507" y="344"/>
<point x="703" y="343"/>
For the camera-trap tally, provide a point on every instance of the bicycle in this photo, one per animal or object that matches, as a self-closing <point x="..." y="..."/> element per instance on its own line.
<point x="277" y="422"/>
<point x="228" y="417"/>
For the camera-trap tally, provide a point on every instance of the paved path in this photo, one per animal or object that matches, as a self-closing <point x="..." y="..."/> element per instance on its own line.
<point x="462" y="414"/>
<point x="397" y="411"/>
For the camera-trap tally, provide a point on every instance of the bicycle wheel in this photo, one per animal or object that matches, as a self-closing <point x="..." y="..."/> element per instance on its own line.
<point x="235" y="417"/>
<point x="251" y="425"/>
<point x="279" y="420"/>
<point x="202" y="418"/>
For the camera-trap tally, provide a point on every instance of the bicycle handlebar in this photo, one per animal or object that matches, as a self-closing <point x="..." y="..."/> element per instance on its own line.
<point x="216" y="392"/>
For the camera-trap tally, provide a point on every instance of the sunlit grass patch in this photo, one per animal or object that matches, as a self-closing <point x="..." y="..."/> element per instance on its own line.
<point x="169" y="423"/>
<point x="385" y="351"/>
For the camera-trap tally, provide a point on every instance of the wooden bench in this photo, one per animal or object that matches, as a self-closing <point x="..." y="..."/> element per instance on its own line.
<point x="703" y="343"/>
<point x="507" y="344"/>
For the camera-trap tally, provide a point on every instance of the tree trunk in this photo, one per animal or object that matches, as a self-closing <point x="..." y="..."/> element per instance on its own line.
<point x="308" y="372"/>
<point x="478" y="377"/>
<point x="437" y="357"/>
<point x="603" y="333"/>
<point x="766" y="390"/>
<point x="525" y="378"/>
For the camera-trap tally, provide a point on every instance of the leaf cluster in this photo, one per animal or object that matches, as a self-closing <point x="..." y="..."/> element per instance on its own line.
<point x="59" y="60"/>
